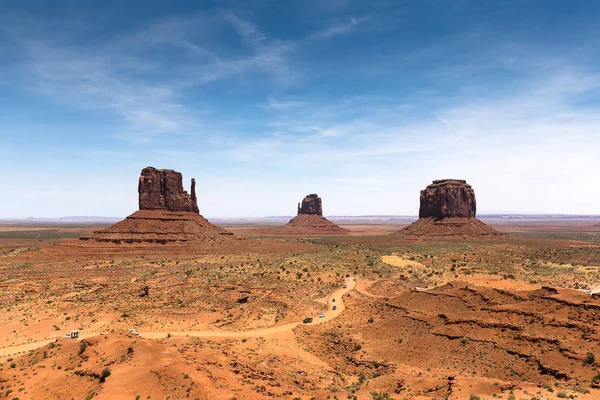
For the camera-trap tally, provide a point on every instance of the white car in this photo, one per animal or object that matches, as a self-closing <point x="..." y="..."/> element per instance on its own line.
<point x="134" y="331"/>
<point x="72" y="335"/>
<point x="322" y="315"/>
<point x="588" y="292"/>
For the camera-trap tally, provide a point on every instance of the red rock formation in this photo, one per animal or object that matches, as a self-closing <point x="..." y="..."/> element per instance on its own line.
<point x="311" y="205"/>
<point x="447" y="208"/>
<point x="308" y="225"/>
<point x="450" y="227"/>
<point x="162" y="189"/>
<point x="448" y="198"/>
<point x="161" y="226"/>
<point x="309" y="221"/>
<point x="168" y="214"/>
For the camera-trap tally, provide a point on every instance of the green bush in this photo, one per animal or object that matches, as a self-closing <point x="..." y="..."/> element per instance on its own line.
<point x="105" y="374"/>
<point x="381" y="396"/>
<point x="589" y="359"/>
<point x="82" y="347"/>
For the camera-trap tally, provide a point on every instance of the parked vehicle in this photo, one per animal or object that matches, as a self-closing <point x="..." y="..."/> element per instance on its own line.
<point x="333" y="300"/>
<point x="322" y="315"/>
<point x="334" y="308"/>
<point x="72" y="335"/>
<point x="345" y="286"/>
<point x="307" y="320"/>
<point x="133" y="331"/>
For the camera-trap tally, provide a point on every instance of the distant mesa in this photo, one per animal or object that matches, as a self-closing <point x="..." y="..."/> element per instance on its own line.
<point x="448" y="208"/>
<point x="167" y="214"/>
<point x="309" y="221"/>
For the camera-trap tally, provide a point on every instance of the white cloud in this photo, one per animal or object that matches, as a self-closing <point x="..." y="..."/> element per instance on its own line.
<point x="530" y="150"/>
<point x="526" y="144"/>
<point x="247" y="30"/>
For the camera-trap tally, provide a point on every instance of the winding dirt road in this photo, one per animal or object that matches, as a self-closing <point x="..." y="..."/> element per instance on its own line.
<point x="329" y="315"/>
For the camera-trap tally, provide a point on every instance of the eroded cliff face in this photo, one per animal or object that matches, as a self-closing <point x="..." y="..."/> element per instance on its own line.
<point x="167" y="215"/>
<point x="448" y="209"/>
<point x="162" y="189"/>
<point x="448" y="198"/>
<point x="311" y="205"/>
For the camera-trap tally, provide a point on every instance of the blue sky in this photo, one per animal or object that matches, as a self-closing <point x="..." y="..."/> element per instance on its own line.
<point x="363" y="102"/>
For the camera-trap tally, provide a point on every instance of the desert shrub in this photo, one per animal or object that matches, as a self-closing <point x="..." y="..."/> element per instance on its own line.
<point x="589" y="359"/>
<point x="105" y="374"/>
<point x="580" y="389"/>
<point x="362" y="378"/>
<point x="548" y="387"/>
<point x="381" y="396"/>
<point x="82" y="347"/>
<point x="562" y="395"/>
<point x="474" y="397"/>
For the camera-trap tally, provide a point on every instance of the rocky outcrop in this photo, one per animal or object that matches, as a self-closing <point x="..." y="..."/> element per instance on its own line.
<point x="448" y="198"/>
<point x="161" y="226"/>
<point x="448" y="208"/>
<point x="309" y="221"/>
<point x="168" y="214"/>
<point x="311" y="205"/>
<point x="162" y="189"/>
<point x="309" y="225"/>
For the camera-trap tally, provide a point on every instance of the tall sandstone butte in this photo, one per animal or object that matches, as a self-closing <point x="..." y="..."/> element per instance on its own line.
<point x="311" y="205"/>
<point x="448" y="208"/>
<point x="167" y="214"/>
<point x="448" y="198"/>
<point x="162" y="189"/>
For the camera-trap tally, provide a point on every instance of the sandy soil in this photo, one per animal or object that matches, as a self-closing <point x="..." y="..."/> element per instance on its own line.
<point x="506" y="317"/>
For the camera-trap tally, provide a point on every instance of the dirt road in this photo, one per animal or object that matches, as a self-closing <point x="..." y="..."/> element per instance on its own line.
<point x="329" y="315"/>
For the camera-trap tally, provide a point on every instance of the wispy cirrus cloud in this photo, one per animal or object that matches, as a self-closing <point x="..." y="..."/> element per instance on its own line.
<point x="257" y="107"/>
<point x="338" y="29"/>
<point x="528" y="141"/>
<point x="127" y="75"/>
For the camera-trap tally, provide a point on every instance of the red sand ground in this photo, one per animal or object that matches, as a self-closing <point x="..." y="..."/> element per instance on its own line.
<point x="496" y="318"/>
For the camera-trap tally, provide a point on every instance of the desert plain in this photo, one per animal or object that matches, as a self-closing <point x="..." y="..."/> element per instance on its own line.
<point x="456" y="317"/>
